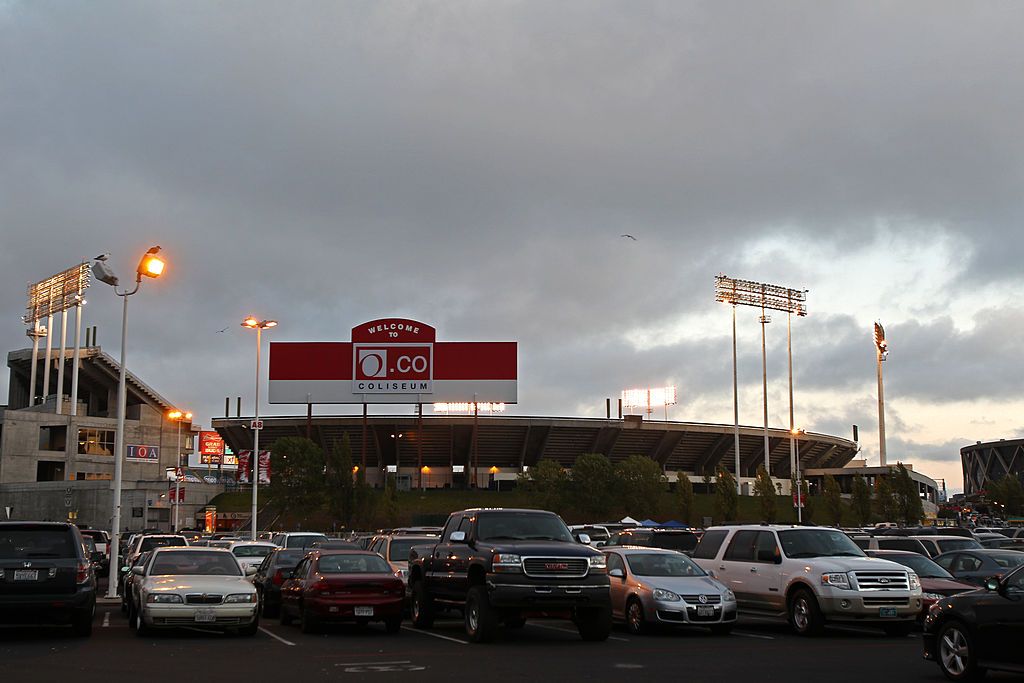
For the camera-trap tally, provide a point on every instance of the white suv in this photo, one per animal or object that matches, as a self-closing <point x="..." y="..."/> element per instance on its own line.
<point x="812" y="575"/>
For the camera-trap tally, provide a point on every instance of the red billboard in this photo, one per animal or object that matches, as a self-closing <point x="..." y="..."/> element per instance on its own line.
<point x="393" y="360"/>
<point x="211" y="448"/>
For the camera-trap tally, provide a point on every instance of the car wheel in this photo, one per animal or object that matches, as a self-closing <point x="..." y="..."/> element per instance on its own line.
<point x="481" y="623"/>
<point x="721" y="629"/>
<point x="284" y="617"/>
<point x="138" y="624"/>
<point x="636" y="622"/>
<point x="307" y="623"/>
<point x="900" y="630"/>
<point x="804" y="615"/>
<point x="594" y="623"/>
<point x="956" y="655"/>
<point x="422" y="607"/>
<point x="393" y="625"/>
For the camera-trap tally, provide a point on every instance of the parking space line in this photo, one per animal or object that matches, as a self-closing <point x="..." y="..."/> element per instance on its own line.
<point x="434" y="635"/>
<point x="753" y="635"/>
<point x="277" y="637"/>
<point x="403" y="661"/>
<point x="106" y="620"/>
<point x="573" y="631"/>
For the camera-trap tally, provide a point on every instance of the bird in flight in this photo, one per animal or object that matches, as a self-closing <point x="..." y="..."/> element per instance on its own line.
<point x="224" y="330"/>
<point x="629" y="236"/>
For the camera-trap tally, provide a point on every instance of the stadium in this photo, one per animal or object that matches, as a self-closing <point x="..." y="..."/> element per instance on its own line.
<point x="985" y="462"/>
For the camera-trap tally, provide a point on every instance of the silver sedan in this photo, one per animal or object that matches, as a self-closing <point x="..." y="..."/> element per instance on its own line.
<point x="652" y="586"/>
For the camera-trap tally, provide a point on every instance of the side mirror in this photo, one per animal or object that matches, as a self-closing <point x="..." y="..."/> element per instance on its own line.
<point x="992" y="584"/>
<point x="617" y="573"/>
<point x="250" y="570"/>
<point x="138" y="571"/>
<point x="584" y="539"/>
<point x="458" y="537"/>
<point x="125" y="570"/>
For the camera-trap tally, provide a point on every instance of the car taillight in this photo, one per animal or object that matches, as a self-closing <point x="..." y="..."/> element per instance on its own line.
<point x="82" y="572"/>
<point x="320" y="587"/>
<point x="278" y="577"/>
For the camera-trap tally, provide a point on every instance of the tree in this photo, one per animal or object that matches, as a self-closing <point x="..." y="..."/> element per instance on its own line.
<point x="593" y="485"/>
<point x="909" y="508"/>
<point x="885" y="503"/>
<point x="860" y="503"/>
<point x="764" y="491"/>
<point x="391" y="499"/>
<point x="641" y="485"/>
<point x="684" y="498"/>
<point x="297" y="481"/>
<point x="364" y="499"/>
<point x="341" y="499"/>
<point x="726" y="498"/>
<point x="832" y="498"/>
<point x="550" y="482"/>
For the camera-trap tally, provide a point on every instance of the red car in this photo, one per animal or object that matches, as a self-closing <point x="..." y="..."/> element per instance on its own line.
<point x="936" y="582"/>
<point x="342" y="585"/>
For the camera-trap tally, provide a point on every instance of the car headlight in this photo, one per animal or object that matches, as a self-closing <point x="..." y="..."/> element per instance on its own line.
<point x="836" y="580"/>
<point x="240" y="597"/>
<point x="915" y="582"/>
<point x="932" y="596"/>
<point x="507" y="563"/>
<point x="665" y="596"/>
<point x="599" y="563"/>
<point x="164" y="598"/>
<point x="729" y="596"/>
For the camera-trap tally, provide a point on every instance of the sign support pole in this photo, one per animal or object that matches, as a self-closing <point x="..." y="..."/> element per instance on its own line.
<point x="419" y="444"/>
<point x="49" y="349"/>
<point x="35" y="364"/>
<point x="63" y="354"/>
<point x="77" y="362"/>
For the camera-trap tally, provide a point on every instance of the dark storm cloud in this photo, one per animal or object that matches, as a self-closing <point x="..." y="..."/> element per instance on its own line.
<point x="473" y="164"/>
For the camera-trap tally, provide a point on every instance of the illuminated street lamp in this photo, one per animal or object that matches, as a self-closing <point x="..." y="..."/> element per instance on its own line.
<point x="179" y="417"/>
<point x="882" y="353"/>
<point x="253" y="323"/>
<point x="151" y="265"/>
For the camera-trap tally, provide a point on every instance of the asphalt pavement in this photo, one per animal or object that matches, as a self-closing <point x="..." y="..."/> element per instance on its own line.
<point x="758" y="649"/>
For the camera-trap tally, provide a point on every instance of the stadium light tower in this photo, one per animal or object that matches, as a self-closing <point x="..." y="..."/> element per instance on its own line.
<point x="766" y="297"/>
<point x="882" y="352"/>
<point x="151" y="265"/>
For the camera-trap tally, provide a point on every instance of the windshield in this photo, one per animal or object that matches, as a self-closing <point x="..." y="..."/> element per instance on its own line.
<point x="25" y="544"/>
<point x="947" y="544"/>
<point x="522" y="526"/>
<point x="161" y="542"/>
<point x="252" y="550"/>
<point x="818" y="543"/>
<point x="921" y="565"/>
<point x="288" y="558"/>
<point x="353" y="564"/>
<point x="399" y="551"/>
<point x="305" y="541"/>
<point x="662" y="564"/>
<point x="195" y="563"/>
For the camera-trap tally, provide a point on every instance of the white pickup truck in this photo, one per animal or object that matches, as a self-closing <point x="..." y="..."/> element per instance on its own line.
<point x="811" y="575"/>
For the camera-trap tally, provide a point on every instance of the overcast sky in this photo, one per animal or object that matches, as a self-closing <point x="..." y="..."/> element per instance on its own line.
<point x="473" y="165"/>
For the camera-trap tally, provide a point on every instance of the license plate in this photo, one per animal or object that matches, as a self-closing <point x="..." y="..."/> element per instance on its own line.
<point x="705" y="611"/>
<point x="887" y="612"/>
<point x="364" y="611"/>
<point x="206" y="616"/>
<point x="26" y="574"/>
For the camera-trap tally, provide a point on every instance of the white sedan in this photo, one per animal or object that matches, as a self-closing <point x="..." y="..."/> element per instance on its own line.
<point x="251" y="553"/>
<point x="194" y="587"/>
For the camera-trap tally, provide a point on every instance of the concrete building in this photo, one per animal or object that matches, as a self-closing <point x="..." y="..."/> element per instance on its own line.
<point x="60" y="466"/>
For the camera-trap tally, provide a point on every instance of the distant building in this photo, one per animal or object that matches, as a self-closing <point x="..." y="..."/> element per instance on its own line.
<point x="60" y="466"/>
<point x="985" y="462"/>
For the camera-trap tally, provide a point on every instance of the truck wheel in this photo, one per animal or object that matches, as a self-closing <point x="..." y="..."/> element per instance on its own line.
<point x="594" y="623"/>
<point x="422" y="606"/>
<point x="804" y="614"/>
<point x="481" y="621"/>
<point x="900" y="630"/>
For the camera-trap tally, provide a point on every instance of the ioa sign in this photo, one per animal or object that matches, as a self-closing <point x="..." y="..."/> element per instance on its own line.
<point x="392" y="360"/>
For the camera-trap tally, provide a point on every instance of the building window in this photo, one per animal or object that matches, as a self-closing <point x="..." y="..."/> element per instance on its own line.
<point x="47" y="470"/>
<point x="53" y="438"/>
<point x="95" y="442"/>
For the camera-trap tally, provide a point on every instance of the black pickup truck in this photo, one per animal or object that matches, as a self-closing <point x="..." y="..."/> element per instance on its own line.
<point x="504" y="566"/>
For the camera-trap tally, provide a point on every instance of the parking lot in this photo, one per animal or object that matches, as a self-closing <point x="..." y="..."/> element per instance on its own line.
<point x="542" y="650"/>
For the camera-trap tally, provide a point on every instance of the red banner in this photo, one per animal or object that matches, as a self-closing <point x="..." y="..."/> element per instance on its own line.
<point x="245" y="467"/>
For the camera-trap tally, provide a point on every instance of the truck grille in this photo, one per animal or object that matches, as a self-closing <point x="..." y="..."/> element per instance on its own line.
<point x="203" y="599"/>
<point x="886" y="602"/>
<point x="882" y="581"/>
<point x="562" y="567"/>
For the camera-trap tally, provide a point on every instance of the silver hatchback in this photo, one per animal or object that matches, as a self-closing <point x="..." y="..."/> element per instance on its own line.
<point x="650" y="586"/>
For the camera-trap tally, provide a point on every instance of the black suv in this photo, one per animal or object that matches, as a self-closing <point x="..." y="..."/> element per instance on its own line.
<point x="982" y="629"/>
<point x="45" y="575"/>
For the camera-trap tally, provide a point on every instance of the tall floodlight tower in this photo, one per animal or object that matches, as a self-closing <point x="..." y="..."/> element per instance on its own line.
<point x="882" y="352"/>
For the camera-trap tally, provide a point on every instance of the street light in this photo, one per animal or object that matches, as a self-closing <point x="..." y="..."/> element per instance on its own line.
<point x="882" y="353"/>
<point x="253" y="323"/>
<point x="151" y="265"/>
<point x="178" y="417"/>
<point x="796" y="434"/>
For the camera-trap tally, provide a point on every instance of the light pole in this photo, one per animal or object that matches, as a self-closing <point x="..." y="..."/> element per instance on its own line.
<point x="151" y="265"/>
<point x="796" y="434"/>
<point x="882" y="352"/>
<point x="178" y="417"/>
<point x="259" y="325"/>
